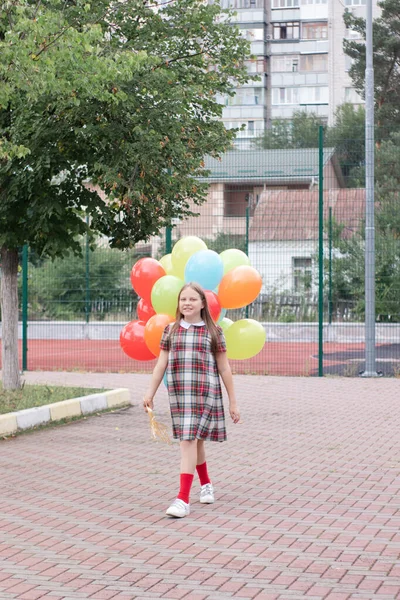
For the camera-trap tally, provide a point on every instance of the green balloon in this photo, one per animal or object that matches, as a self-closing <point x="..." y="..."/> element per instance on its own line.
<point x="233" y="258"/>
<point x="244" y="339"/>
<point x="164" y="295"/>
<point x="225" y="323"/>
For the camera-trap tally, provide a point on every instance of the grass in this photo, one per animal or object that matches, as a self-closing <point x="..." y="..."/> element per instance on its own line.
<point x="30" y="396"/>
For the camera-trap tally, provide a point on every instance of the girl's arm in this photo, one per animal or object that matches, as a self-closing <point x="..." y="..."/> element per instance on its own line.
<point x="156" y="379"/>
<point x="224" y="370"/>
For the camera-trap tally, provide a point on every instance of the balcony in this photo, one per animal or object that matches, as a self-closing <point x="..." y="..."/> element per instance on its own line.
<point x="284" y="46"/>
<point x="287" y="14"/>
<point x="312" y="46"/>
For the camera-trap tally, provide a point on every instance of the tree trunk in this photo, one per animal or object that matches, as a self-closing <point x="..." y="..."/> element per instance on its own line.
<point x="9" y="314"/>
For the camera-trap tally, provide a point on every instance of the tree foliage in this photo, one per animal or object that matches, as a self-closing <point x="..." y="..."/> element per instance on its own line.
<point x="92" y="285"/>
<point x="347" y="136"/>
<point x="301" y="131"/>
<point x="348" y="262"/>
<point x="119" y="93"/>
<point x="386" y="57"/>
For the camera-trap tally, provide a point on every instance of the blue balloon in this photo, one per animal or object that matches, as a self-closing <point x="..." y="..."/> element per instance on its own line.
<point x="222" y="315"/>
<point x="206" y="268"/>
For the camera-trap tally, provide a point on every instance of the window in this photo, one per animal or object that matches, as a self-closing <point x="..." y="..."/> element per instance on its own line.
<point x="285" y="3"/>
<point x="314" y="62"/>
<point x="314" y="31"/>
<point x="286" y="31"/>
<point x="354" y="2"/>
<point x="351" y="95"/>
<point x="348" y="61"/>
<point x="314" y="95"/>
<point x="245" y="97"/>
<point x="241" y="3"/>
<point x="253" y="35"/>
<point x="250" y="127"/>
<point x="302" y="274"/>
<point x="256" y="66"/>
<point x="237" y="198"/>
<point x="284" y="64"/>
<point x="352" y="34"/>
<point x="305" y="2"/>
<point x="285" y="95"/>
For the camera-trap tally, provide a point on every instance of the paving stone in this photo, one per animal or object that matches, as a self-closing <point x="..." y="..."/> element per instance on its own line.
<point x="307" y="499"/>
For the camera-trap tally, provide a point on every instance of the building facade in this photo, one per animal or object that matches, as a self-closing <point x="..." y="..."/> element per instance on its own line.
<point x="298" y="45"/>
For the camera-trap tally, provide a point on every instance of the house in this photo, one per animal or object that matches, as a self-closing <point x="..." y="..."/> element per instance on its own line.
<point x="238" y="179"/>
<point x="284" y="233"/>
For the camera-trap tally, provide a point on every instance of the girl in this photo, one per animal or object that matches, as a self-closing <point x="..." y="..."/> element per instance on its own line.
<point x="193" y="348"/>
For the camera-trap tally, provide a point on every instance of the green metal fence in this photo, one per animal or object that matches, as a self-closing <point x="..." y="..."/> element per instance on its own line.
<point x="300" y="216"/>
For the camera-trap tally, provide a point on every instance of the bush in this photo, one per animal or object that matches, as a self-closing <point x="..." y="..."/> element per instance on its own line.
<point x="96" y="284"/>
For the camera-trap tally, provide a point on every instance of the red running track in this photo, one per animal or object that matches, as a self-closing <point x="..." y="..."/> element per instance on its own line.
<point x="276" y="358"/>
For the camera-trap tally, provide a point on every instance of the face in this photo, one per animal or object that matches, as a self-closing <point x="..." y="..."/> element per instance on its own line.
<point x="190" y="304"/>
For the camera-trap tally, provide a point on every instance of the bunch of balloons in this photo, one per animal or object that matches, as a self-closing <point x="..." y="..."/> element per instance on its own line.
<point x="228" y="280"/>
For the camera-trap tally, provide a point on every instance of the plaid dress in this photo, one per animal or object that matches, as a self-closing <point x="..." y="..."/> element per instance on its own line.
<point x="194" y="387"/>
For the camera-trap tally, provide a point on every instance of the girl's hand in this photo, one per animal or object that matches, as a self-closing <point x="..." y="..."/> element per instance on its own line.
<point x="147" y="403"/>
<point x="234" y="412"/>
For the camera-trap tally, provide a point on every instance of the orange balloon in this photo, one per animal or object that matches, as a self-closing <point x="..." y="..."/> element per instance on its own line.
<point x="154" y="330"/>
<point x="239" y="287"/>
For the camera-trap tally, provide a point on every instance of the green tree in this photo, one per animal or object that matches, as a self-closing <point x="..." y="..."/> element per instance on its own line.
<point x="121" y="94"/>
<point x="386" y="49"/>
<point x="348" y="263"/>
<point x="301" y="131"/>
<point x="347" y="136"/>
<point x="94" y="284"/>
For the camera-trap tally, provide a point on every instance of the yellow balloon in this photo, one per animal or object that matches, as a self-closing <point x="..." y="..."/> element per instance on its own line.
<point x="233" y="258"/>
<point x="183" y="250"/>
<point x="166" y="262"/>
<point x="244" y="339"/>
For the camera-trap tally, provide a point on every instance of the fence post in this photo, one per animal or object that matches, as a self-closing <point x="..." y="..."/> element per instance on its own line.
<point x="321" y="253"/>
<point x="168" y="240"/>
<point x="24" y="307"/>
<point x="330" y="307"/>
<point x="87" y="277"/>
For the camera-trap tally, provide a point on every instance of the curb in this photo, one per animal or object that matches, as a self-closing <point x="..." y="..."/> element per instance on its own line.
<point x="85" y="405"/>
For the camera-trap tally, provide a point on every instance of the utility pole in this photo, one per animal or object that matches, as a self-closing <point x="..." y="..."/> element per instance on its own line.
<point x="370" y="355"/>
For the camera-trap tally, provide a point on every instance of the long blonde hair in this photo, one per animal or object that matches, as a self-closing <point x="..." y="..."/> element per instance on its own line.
<point x="205" y="315"/>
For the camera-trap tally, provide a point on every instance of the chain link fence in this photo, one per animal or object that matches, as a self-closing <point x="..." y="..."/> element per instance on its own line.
<point x="277" y="206"/>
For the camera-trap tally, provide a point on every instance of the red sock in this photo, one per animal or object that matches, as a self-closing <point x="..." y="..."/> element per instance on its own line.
<point x="203" y="473"/>
<point x="186" y="484"/>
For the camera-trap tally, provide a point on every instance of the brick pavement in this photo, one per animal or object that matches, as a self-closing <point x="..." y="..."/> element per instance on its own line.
<point x="308" y="502"/>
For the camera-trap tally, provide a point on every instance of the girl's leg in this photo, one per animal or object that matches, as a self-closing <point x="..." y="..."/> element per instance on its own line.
<point x="188" y="466"/>
<point x="201" y="466"/>
<point x="188" y="456"/>
<point x="201" y="452"/>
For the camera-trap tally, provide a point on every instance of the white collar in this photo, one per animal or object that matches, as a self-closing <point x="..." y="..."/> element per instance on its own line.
<point x="186" y="325"/>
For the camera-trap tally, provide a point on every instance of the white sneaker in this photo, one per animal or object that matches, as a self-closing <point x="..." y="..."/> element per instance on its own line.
<point x="178" y="508"/>
<point x="207" y="494"/>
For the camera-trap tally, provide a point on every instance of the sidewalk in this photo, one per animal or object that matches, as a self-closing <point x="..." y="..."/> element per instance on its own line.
<point x="307" y="488"/>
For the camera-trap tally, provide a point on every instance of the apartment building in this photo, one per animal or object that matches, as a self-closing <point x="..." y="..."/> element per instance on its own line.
<point x="298" y="46"/>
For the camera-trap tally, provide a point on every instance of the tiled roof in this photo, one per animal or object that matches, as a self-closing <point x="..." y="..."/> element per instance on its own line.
<point x="289" y="215"/>
<point x="275" y="165"/>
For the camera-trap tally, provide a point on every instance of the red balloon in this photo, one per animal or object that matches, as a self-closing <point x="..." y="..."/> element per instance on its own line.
<point x="144" y="274"/>
<point x="214" y="305"/>
<point x="132" y="342"/>
<point x="144" y="310"/>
